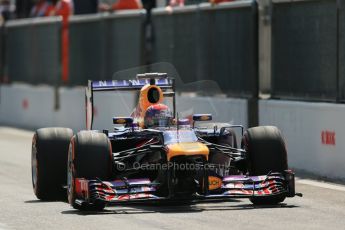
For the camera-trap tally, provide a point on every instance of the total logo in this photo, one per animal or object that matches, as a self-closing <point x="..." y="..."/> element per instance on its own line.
<point x="214" y="183"/>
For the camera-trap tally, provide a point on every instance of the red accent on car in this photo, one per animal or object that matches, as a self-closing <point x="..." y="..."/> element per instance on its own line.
<point x="81" y="187"/>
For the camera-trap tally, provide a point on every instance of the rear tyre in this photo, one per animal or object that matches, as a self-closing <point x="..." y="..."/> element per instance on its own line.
<point x="48" y="162"/>
<point x="89" y="157"/>
<point x="266" y="152"/>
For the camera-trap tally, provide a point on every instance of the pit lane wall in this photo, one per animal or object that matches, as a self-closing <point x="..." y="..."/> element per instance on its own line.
<point x="34" y="107"/>
<point x="314" y="134"/>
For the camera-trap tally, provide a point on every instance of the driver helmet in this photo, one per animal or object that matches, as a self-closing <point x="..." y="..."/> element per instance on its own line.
<point x="158" y="115"/>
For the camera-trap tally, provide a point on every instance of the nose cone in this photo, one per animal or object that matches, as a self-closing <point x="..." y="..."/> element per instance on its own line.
<point x="187" y="149"/>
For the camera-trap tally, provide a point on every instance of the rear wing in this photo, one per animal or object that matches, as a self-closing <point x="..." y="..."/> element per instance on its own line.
<point x="159" y="79"/>
<point x="128" y="84"/>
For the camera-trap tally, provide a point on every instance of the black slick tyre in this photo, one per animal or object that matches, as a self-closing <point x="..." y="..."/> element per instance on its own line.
<point x="89" y="157"/>
<point x="49" y="161"/>
<point x="266" y="152"/>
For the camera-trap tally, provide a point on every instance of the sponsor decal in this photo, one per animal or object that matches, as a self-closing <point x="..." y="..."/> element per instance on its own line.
<point x="214" y="182"/>
<point x="84" y="185"/>
<point x="120" y="121"/>
<point x="134" y="196"/>
<point x="237" y="185"/>
<point x="328" y="137"/>
<point x="128" y="83"/>
<point x="204" y="118"/>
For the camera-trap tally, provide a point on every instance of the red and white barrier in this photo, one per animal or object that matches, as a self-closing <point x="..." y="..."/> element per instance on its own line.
<point x="25" y="106"/>
<point x="314" y="134"/>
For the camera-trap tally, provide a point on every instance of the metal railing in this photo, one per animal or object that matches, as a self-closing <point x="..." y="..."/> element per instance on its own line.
<point x="303" y="57"/>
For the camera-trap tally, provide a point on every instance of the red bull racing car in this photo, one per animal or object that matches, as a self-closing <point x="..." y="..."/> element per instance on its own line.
<point x="153" y="155"/>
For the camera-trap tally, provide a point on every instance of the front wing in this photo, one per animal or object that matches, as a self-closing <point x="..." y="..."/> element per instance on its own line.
<point x="144" y="190"/>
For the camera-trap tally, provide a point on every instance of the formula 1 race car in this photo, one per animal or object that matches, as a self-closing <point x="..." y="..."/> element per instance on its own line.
<point x="153" y="155"/>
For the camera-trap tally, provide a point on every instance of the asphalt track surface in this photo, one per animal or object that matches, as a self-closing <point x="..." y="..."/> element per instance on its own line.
<point x="322" y="207"/>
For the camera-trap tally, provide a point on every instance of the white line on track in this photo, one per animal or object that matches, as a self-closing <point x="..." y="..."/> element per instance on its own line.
<point x="2" y="226"/>
<point x="326" y="185"/>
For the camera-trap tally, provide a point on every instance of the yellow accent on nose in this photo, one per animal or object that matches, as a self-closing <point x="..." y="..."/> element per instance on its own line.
<point x="187" y="149"/>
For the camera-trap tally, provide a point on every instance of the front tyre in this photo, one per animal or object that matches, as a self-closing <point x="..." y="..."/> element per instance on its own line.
<point x="266" y="152"/>
<point x="89" y="157"/>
